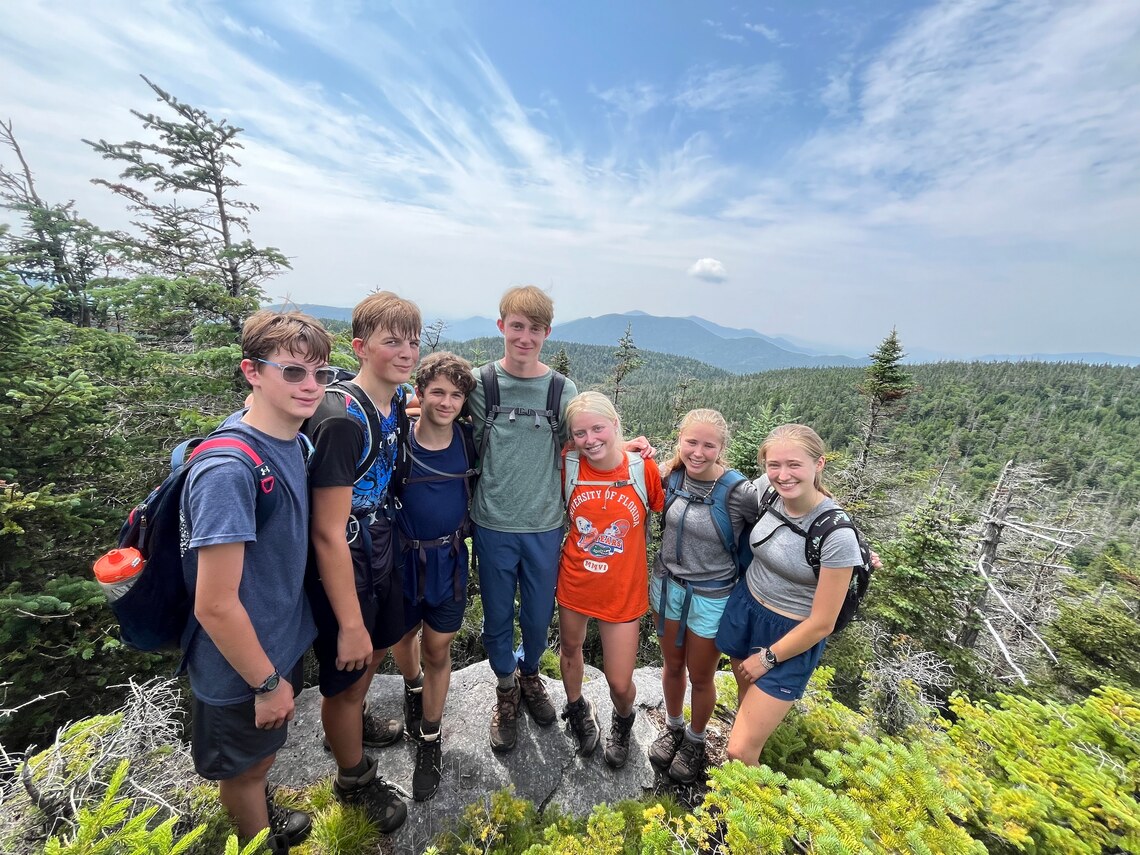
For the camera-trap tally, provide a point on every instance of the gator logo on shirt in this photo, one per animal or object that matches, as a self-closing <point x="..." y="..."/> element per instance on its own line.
<point x="609" y="542"/>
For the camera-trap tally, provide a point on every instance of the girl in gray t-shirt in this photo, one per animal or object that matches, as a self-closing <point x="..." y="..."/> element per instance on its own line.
<point x="775" y="626"/>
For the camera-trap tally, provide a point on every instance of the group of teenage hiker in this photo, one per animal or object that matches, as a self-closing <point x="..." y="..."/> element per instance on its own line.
<point x="366" y="551"/>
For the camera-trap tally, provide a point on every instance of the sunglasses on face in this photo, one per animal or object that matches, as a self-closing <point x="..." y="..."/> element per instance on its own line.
<point x="298" y="373"/>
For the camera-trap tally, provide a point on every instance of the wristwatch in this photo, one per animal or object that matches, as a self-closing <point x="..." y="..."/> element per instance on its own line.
<point x="267" y="685"/>
<point x="770" y="660"/>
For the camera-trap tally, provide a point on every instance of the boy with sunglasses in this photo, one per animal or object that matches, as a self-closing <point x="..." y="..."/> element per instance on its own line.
<point x="355" y="589"/>
<point x="248" y="581"/>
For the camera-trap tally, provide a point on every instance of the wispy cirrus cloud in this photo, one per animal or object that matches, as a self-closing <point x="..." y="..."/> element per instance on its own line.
<point x="723" y="89"/>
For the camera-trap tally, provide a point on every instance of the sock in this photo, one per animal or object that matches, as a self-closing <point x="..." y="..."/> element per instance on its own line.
<point x="693" y="736"/>
<point x="429" y="730"/>
<point x="507" y="683"/>
<point x="627" y="716"/>
<point x="417" y="683"/>
<point x="676" y="722"/>
<point x="356" y="771"/>
<point x="576" y="704"/>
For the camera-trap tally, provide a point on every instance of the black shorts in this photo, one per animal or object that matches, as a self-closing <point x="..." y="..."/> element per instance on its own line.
<point x="380" y="589"/>
<point x="225" y="740"/>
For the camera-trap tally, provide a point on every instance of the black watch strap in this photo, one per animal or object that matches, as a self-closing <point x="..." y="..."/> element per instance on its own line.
<point x="267" y="685"/>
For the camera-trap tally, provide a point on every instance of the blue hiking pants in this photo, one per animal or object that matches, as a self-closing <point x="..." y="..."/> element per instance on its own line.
<point x="526" y="563"/>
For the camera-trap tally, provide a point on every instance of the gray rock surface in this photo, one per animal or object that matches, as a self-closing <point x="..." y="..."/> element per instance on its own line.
<point x="543" y="767"/>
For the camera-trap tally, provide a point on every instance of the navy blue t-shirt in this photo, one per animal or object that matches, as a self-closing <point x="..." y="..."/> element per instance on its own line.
<point x="218" y="506"/>
<point x="431" y="510"/>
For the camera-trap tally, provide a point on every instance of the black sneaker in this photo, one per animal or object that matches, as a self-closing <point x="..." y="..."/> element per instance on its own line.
<point x="429" y="766"/>
<point x="413" y="709"/>
<point x="664" y="747"/>
<point x="375" y="796"/>
<point x="689" y="762"/>
<point x="291" y="825"/>
<point x="617" y="743"/>
<point x="536" y="700"/>
<point x="583" y="725"/>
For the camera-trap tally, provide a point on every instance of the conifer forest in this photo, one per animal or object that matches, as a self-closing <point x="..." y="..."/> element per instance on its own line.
<point x="986" y="700"/>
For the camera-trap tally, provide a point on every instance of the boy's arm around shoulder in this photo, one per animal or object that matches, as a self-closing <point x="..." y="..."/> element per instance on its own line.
<point x="220" y="612"/>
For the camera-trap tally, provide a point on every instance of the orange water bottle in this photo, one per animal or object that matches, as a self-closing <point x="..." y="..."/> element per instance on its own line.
<point x="117" y="570"/>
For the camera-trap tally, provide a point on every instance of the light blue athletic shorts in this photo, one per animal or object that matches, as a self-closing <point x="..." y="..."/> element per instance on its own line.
<point x="704" y="612"/>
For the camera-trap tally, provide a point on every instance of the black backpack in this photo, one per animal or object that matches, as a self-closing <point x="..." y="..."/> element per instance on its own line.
<point x="155" y="611"/>
<point x="492" y="408"/>
<point x="820" y="528"/>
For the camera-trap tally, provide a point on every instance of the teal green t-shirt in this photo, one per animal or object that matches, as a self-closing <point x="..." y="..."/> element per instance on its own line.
<point x="520" y="489"/>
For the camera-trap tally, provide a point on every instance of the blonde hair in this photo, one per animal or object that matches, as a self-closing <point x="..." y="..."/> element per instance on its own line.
<point x="531" y="302"/>
<point x="714" y="419"/>
<point x="386" y="311"/>
<point x="802" y="436"/>
<point x="302" y="335"/>
<point x="596" y="404"/>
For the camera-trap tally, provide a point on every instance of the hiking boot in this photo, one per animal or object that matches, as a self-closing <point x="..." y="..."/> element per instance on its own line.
<point x="583" y="725"/>
<point x="291" y="825"/>
<point x="413" y="710"/>
<point x="378" y="732"/>
<point x="688" y="762"/>
<point x="664" y="747"/>
<point x="617" y="743"/>
<point x="505" y="719"/>
<point x="374" y="796"/>
<point x="536" y="700"/>
<point x="429" y="766"/>
<point x="276" y="844"/>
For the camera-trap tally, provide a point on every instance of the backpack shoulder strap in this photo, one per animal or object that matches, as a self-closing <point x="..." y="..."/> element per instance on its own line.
<point x="222" y="443"/>
<point x="823" y="525"/>
<point x="490" y="382"/>
<point x="672" y="486"/>
<point x="719" y="495"/>
<point x="569" y="476"/>
<point x="339" y="399"/>
<point x="637" y="476"/>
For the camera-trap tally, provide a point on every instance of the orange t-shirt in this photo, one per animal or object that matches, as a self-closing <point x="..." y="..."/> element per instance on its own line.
<point x="604" y="572"/>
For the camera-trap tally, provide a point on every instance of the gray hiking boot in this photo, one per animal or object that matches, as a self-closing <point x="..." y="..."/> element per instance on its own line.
<point x="505" y="719"/>
<point x="688" y="762"/>
<point x="413" y="709"/>
<point x="617" y="743"/>
<point x="536" y="700"/>
<point x="664" y="747"/>
<point x="374" y="796"/>
<point x="583" y="725"/>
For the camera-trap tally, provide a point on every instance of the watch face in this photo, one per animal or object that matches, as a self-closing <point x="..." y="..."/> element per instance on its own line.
<point x="269" y="685"/>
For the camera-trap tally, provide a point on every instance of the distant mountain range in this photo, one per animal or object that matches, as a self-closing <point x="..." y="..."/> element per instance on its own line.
<point x="742" y="351"/>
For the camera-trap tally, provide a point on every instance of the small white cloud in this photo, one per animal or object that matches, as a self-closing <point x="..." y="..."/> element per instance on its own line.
<point x="708" y="269"/>
<point x="634" y="100"/>
<point x="253" y="33"/>
<point x="769" y="33"/>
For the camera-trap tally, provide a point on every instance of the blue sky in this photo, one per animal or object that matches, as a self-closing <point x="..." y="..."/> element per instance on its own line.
<point x="966" y="171"/>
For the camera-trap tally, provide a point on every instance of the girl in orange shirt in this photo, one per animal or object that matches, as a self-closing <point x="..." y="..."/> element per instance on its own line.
<point x="603" y="573"/>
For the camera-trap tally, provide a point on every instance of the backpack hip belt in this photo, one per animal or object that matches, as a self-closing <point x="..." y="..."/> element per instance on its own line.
<point x="420" y="547"/>
<point x="713" y="590"/>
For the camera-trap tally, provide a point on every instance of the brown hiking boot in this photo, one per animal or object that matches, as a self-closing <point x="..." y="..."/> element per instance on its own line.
<point x="664" y="747"/>
<point x="536" y="700"/>
<point x="505" y="719"/>
<point x="617" y="743"/>
<point x="688" y="762"/>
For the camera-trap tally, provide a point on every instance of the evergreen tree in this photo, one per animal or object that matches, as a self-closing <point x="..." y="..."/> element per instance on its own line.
<point x="561" y="361"/>
<point x="192" y="160"/>
<point x="626" y="361"/>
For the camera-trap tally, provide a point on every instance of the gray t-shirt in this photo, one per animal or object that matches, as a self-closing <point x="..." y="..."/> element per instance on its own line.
<point x="779" y="573"/>
<point x="520" y="489"/>
<point x="218" y="504"/>
<point x="702" y="556"/>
